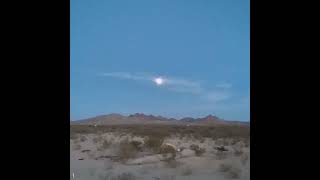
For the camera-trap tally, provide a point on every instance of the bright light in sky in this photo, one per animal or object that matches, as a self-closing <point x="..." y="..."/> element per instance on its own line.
<point x="158" y="81"/>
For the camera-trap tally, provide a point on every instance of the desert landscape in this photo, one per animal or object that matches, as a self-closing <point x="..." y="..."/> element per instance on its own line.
<point x="147" y="147"/>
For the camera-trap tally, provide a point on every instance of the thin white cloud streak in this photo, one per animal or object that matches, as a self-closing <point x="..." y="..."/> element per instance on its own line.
<point x="177" y="85"/>
<point x="124" y="75"/>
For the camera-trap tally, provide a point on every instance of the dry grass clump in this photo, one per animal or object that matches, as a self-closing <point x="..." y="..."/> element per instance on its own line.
<point x="83" y="138"/>
<point x="137" y="144"/>
<point x="126" y="150"/>
<point x="168" y="152"/>
<point x="97" y="139"/>
<point x="198" y="151"/>
<point x="104" y="146"/>
<point x="153" y="143"/>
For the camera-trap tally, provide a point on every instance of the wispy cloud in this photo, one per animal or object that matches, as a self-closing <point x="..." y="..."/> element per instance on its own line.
<point x="125" y="75"/>
<point x="178" y="85"/>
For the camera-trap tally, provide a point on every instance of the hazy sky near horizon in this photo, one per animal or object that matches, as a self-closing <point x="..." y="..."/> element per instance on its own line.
<point x="174" y="58"/>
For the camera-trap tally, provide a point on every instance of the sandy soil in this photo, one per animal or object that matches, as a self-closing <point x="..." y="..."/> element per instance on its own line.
<point x="86" y="162"/>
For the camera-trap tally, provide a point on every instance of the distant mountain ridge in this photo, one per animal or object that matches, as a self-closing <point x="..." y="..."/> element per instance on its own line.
<point x="140" y="118"/>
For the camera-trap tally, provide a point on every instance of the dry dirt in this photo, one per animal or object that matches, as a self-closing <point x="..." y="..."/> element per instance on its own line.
<point x="125" y="155"/>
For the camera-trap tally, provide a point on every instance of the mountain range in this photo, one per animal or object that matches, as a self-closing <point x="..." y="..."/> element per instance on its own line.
<point x="139" y="118"/>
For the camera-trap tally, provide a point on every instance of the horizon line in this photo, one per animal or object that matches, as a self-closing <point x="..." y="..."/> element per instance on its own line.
<point x="129" y="114"/>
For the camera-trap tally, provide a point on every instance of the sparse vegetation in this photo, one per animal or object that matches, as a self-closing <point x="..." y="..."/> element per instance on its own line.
<point x="126" y="150"/>
<point x="144" y="141"/>
<point x="166" y="130"/>
<point x="168" y="152"/>
<point x="104" y="146"/>
<point x="137" y="144"/>
<point x="97" y="139"/>
<point x="198" y="151"/>
<point x="154" y="143"/>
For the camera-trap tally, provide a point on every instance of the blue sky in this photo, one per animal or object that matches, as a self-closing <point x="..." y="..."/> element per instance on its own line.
<point x="199" y="49"/>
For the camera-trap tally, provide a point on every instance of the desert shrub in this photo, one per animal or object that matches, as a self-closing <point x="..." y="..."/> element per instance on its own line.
<point x="97" y="139"/>
<point x="83" y="138"/>
<point x="104" y="145"/>
<point x="186" y="171"/>
<point x="168" y="152"/>
<point x="137" y="144"/>
<point x="194" y="147"/>
<point x="154" y="143"/>
<point x="126" y="150"/>
<point x="198" y="151"/>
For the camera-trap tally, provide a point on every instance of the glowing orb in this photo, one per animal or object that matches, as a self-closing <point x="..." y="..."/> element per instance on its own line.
<point x="158" y="81"/>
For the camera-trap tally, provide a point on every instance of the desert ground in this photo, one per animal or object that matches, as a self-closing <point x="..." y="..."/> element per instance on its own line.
<point x="144" y="152"/>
